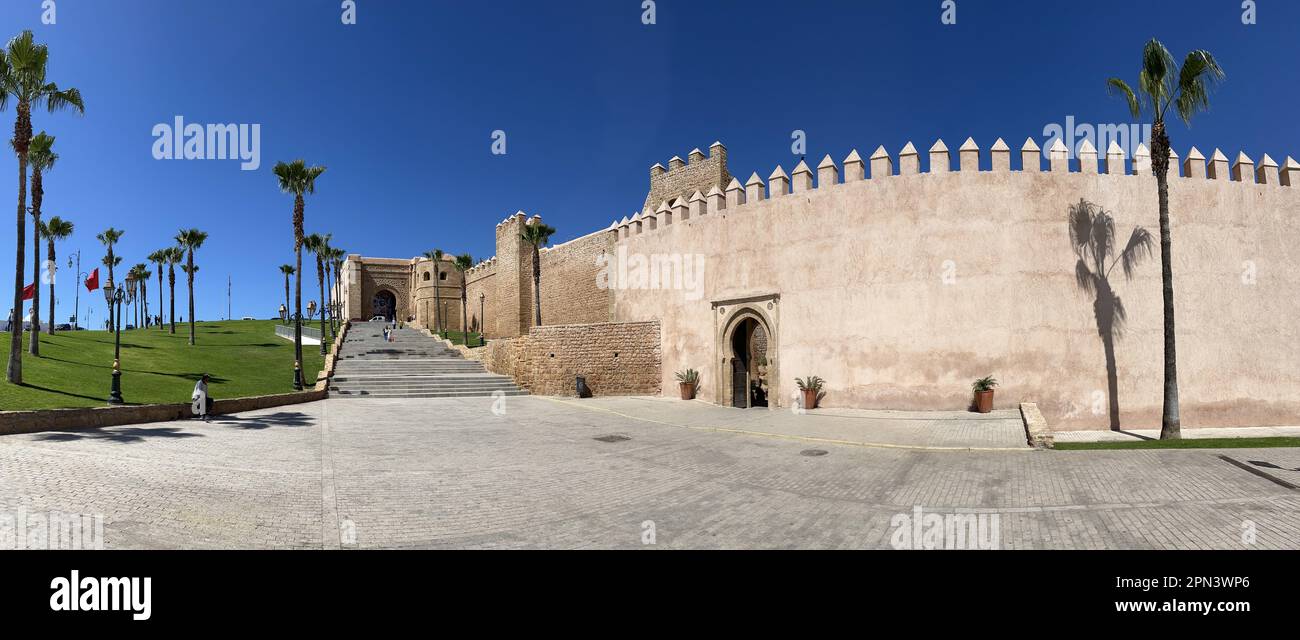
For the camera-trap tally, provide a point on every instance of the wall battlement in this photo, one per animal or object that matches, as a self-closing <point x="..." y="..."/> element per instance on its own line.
<point x="713" y="200"/>
<point x="682" y="178"/>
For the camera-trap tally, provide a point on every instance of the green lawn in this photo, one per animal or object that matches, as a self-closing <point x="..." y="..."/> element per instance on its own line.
<point x="458" y="337"/>
<point x="1194" y="443"/>
<point x="243" y="358"/>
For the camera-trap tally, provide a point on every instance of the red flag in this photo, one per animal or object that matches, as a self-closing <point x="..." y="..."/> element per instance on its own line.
<point x="92" y="282"/>
<point x="29" y="291"/>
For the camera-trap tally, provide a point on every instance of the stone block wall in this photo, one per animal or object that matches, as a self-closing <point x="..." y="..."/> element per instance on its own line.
<point x="617" y="359"/>
<point x="571" y="293"/>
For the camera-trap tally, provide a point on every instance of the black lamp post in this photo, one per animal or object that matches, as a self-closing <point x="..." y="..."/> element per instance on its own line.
<point x="114" y="297"/>
<point x="297" y="353"/>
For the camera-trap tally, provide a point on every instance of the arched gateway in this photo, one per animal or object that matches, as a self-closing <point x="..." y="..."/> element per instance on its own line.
<point x="747" y="370"/>
<point x="384" y="304"/>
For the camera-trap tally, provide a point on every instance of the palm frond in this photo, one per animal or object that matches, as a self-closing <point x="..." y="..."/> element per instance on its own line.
<point x="1084" y="277"/>
<point x="1198" y="76"/>
<point x="1117" y="86"/>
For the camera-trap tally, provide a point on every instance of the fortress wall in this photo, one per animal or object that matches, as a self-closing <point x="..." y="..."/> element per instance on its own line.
<point x="615" y="358"/>
<point x="425" y="295"/>
<point x="571" y="293"/>
<point x="900" y="290"/>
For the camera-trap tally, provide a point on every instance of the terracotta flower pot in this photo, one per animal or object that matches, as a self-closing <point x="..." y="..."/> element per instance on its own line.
<point x="810" y="398"/>
<point x="984" y="401"/>
<point x="688" y="390"/>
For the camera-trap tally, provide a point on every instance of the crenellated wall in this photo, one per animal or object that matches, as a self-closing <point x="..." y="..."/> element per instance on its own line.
<point x="900" y="287"/>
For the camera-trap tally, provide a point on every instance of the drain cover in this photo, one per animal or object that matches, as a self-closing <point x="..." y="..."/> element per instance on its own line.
<point x="813" y="453"/>
<point x="612" y="438"/>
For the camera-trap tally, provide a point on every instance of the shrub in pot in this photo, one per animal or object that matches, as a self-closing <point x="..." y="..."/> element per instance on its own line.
<point x="686" y="382"/>
<point x="811" y="388"/>
<point x="983" y="389"/>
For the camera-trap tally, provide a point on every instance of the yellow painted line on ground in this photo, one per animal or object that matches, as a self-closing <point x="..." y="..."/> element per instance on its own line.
<point x="764" y="434"/>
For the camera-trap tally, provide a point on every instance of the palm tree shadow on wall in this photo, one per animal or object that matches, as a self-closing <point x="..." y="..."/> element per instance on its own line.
<point x="1092" y="234"/>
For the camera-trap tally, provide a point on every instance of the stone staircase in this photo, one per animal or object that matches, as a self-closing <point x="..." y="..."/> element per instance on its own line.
<point x="413" y="365"/>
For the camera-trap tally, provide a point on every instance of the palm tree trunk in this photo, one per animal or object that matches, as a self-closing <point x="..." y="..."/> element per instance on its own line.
<point x="286" y="295"/>
<point x="320" y="279"/>
<point x="34" y="342"/>
<point x="14" y="372"/>
<point x="1170" y="424"/>
<point x="437" y="299"/>
<point x="171" y="294"/>
<point x="190" y="279"/>
<point x="464" y="312"/>
<point x="537" y="287"/>
<point x="111" y="321"/>
<point x="160" y="296"/>
<point x="49" y="327"/>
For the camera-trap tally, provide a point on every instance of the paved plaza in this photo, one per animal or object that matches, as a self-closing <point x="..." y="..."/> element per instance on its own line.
<point x="532" y="472"/>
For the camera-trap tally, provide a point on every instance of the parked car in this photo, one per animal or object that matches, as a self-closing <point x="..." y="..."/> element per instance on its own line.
<point x="379" y="319"/>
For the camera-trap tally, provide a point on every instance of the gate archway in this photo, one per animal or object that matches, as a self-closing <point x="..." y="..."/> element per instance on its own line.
<point x="747" y="367"/>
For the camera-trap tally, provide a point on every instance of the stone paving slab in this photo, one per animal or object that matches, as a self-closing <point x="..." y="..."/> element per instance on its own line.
<point x="530" y="473"/>
<point x="1001" y="429"/>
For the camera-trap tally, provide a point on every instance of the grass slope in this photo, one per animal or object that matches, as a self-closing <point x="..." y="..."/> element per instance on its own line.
<point x="244" y="358"/>
<point x="1186" y="443"/>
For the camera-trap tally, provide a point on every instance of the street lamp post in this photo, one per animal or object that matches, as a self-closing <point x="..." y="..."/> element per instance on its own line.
<point x="284" y="314"/>
<point x="114" y="298"/>
<point x="297" y="353"/>
<point x="76" y="306"/>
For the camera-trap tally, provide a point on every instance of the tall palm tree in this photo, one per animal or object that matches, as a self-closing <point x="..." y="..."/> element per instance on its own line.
<point x="287" y="270"/>
<point x="464" y="262"/>
<point x="142" y="275"/>
<point x="174" y="256"/>
<point x="22" y="79"/>
<point x="108" y="238"/>
<point x="130" y="288"/>
<point x="537" y="235"/>
<point x="189" y="240"/>
<point x="299" y="179"/>
<point x="55" y="229"/>
<point x="1161" y="85"/>
<point x="41" y="157"/>
<point x="436" y="257"/>
<point x="159" y="258"/>
<point x="1092" y="234"/>
<point x="318" y="245"/>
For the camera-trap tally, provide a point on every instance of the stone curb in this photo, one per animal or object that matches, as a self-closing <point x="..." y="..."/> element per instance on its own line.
<point x="1037" y="433"/>
<point x="14" y="422"/>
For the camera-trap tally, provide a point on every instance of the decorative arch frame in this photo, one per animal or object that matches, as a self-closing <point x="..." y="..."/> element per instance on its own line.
<point x="728" y="315"/>
<point x="383" y="288"/>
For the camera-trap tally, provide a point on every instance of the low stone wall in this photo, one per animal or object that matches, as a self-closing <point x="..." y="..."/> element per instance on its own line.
<point x="96" y="417"/>
<point x="617" y="359"/>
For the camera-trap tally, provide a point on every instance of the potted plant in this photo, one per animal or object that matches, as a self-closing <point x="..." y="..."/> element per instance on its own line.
<point x="984" y="393"/>
<point x="811" y="388"/>
<point x="687" y="380"/>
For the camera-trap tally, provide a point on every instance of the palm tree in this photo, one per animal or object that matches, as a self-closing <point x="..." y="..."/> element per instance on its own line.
<point x="173" y="257"/>
<point x="159" y="258"/>
<point x="537" y="235"/>
<point x="318" y="245"/>
<point x="1092" y="234"/>
<point x="287" y="270"/>
<point x="142" y="275"/>
<point x="108" y="238"/>
<point x="299" y="179"/>
<point x="131" y="278"/>
<point x="436" y="257"/>
<point x="41" y="157"/>
<point x="189" y="240"/>
<point x="464" y="262"/>
<point x="1161" y="85"/>
<point x="54" y="230"/>
<point x="22" y="78"/>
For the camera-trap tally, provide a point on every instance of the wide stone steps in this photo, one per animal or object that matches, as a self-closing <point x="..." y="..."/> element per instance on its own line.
<point x="412" y="365"/>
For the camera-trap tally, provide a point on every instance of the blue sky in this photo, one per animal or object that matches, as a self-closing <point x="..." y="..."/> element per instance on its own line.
<point x="402" y="105"/>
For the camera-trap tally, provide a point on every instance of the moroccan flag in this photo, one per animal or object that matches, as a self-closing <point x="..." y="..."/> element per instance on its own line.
<point x="29" y="291"/>
<point x="92" y="282"/>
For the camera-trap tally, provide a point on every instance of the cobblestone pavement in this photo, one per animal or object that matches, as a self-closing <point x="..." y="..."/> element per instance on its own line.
<point x="455" y="473"/>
